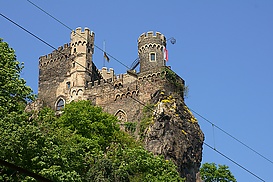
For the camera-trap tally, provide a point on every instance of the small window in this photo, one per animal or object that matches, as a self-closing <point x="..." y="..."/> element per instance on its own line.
<point x="73" y="65"/>
<point x="152" y="56"/>
<point x="75" y="49"/>
<point x="88" y="65"/>
<point x="60" y="105"/>
<point x="88" y="50"/>
<point x="68" y="85"/>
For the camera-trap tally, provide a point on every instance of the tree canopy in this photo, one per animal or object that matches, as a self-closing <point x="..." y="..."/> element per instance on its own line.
<point x="211" y="173"/>
<point x="13" y="91"/>
<point x="86" y="145"/>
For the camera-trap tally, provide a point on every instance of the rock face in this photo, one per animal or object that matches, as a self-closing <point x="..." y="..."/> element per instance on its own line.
<point x="174" y="132"/>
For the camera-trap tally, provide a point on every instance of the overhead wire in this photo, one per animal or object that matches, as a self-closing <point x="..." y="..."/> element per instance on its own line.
<point x="236" y="139"/>
<point x="110" y="83"/>
<point x="24" y="171"/>
<point x="71" y="29"/>
<point x="233" y="161"/>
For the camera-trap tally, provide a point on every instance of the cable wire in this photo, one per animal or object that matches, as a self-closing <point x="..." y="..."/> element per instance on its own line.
<point x="232" y="136"/>
<point x="130" y="97"/>
<point x="24" y="171"/>
<point x="233" y="161"/>
<point x="71" y="29"/>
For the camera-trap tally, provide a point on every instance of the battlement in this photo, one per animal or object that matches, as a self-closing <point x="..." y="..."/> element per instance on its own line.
<point x="86" y="31"/>
<point x="62" y="51"/>
<point x="150" y="37"/>
<point x="121" y="80"/>
<point x="107" y="73"/>
<point x="79" y="34"/>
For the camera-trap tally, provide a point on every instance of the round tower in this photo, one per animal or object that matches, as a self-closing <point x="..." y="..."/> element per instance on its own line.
<point x="151" y="50"/>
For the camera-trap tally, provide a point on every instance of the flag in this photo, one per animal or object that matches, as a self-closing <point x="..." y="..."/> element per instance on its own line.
<point x="106" y="57"/>
<point x="165" y="51"/>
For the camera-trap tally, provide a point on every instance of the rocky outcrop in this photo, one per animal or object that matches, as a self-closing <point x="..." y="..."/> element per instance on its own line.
<point x="174" y="133"/>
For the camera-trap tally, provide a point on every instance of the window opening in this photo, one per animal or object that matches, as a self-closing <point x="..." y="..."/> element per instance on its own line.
<point x="152" y="56"/>
<point x="60" y="105"/>
<point x="68" y="85"/>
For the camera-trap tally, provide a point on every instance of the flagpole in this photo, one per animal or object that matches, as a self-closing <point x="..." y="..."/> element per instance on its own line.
<point x="103" y="53"/>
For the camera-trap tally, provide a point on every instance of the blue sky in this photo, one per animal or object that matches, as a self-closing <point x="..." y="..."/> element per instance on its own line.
<point x="223" y="51"/>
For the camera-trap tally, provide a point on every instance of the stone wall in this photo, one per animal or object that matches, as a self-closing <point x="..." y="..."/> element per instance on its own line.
<point x="128" y="94"/>
<point x="53" y="69"/>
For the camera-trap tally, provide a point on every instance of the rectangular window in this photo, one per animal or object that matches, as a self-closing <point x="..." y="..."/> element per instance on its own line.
<point x="152" y="56"/>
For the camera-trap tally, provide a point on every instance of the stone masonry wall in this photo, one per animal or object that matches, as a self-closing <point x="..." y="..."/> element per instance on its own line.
<point x="127" y="98"/>
<point x="53" y="69"/>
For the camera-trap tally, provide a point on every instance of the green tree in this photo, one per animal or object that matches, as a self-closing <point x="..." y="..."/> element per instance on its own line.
<point x="35" y="145"/>
<point x="90" y="122"/>
<point x="119" y="157"/>
<point x="14" y="94"/>
<point x="211" y="173"/>
<point x="60" y="150"/>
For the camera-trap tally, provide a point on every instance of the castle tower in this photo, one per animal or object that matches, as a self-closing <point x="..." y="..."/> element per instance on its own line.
<point x="151" y="50"/>
<point x="82" y="48"/>
<point x="64" y="74"/>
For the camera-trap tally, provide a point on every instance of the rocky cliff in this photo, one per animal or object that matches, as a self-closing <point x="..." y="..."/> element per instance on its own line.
<point x="170" y="129"/>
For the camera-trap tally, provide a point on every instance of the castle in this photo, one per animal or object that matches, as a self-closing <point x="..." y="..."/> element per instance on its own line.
<point x="69" y="74"/>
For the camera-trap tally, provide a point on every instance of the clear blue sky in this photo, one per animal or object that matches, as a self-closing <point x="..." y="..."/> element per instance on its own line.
<point x="223" y="51"/>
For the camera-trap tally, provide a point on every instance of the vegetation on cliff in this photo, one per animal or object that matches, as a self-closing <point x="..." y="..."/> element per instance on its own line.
<point x="171" y="130"/>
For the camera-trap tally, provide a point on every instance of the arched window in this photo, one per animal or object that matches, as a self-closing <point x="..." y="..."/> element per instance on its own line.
<point x="60" y="104"/>
<point x="121" y="115"/>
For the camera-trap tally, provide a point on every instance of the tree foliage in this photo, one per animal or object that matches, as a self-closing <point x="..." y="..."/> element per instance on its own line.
<point x="211" y="173"/>
<point x="13" y="91"/>
<point x="77" y="149"/>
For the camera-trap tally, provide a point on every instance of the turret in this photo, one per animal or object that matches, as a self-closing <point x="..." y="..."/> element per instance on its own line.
<point x="82" y="41"/>
<point x="151" y="50"/>
<point x="82" y="48"/>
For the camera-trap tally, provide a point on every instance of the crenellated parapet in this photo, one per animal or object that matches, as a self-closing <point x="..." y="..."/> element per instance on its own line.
<point x="106" y="74"/>
<point x="63" y="52"/>
<point x="150" y="39"/>
<point x="82" y="38"/>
